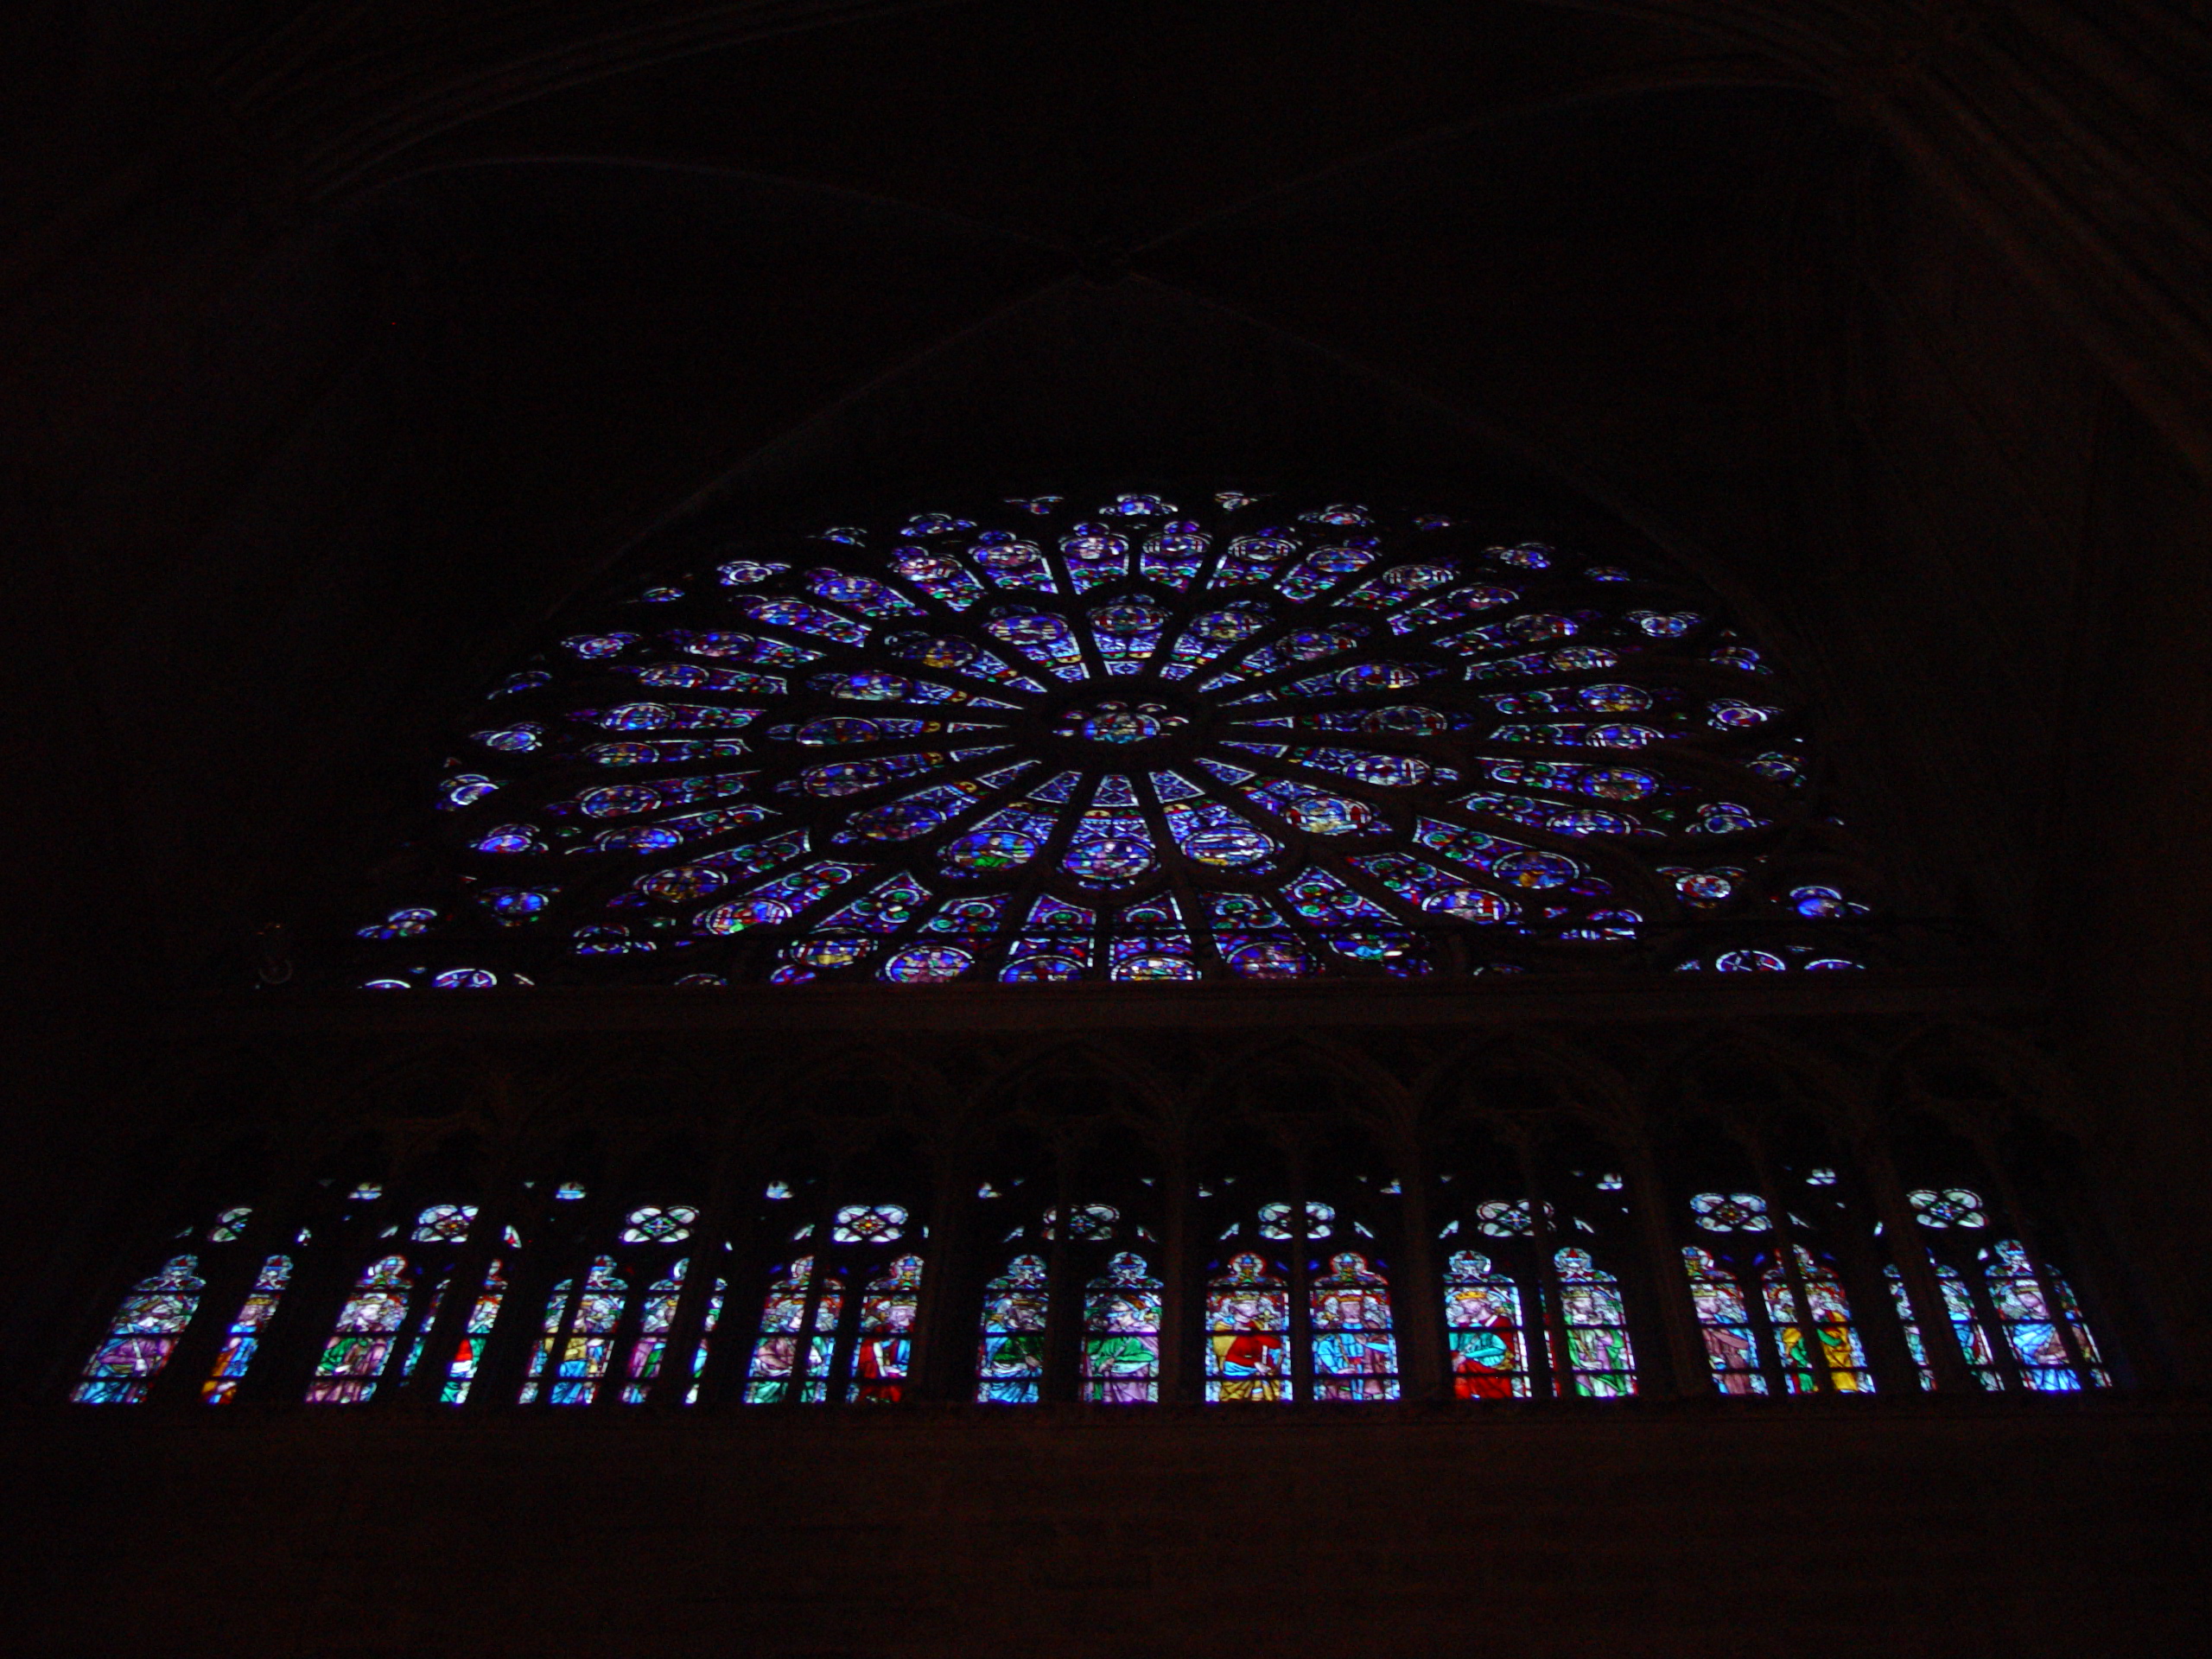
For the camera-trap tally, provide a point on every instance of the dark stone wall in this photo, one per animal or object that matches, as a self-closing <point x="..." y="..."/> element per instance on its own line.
<point x="1725" y="1529"/>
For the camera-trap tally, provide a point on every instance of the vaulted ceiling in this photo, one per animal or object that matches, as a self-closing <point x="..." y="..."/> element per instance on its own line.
<point x="354" y="339"/>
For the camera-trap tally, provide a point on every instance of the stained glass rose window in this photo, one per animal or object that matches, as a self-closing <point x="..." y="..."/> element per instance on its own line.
<point x="1129" y="738"/>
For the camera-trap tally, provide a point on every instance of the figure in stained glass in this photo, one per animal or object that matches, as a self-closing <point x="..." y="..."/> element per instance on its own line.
<point x="360" y="1347"/>
<point x="140" y="1337"/>
<point x="885" y="1346"/>
<point x="243" y="1339"/>
<point x="780" y="1355"/>
<point x="1010" y="1364"/>
<point x="1120" y="1335"/>
<point x="1724" y="1319"/>
<point x="1600" y="1360"/>
<point x="1837" y="1346"/>
<point x="2032" y="1331"/>
<point x="1248" y="1333"/>
<point x="1355" y="1353"/>
<point x="1482" y="1311"/>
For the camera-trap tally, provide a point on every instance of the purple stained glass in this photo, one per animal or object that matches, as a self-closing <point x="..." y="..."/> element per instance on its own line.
<point x="140" y="1337"/>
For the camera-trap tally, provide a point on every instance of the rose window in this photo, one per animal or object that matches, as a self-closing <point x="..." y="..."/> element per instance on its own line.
<point x="1133" y="739"/>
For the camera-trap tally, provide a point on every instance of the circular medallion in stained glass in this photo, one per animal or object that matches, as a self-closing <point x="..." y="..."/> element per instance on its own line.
<point x="927" y="964"/>
<point x="1110" y="861"/>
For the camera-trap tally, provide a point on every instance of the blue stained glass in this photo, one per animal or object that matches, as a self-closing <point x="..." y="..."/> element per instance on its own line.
<point x="1391" y="589"/>
<point x="934" y="523"/>
<point x="978" y="917"/>
<point x="1439" y="893"/>
<point x="928" y="964"/>
<point x="512" y="740"/>
<point x="1126" y="633"/>
<point x="1175" y="556"/>
<point x="1173" y="786"/>
<point x="675" y="750"/>
<point x="1323" y="568"/>
<point x="742" y="572"/>
<point x="694" y="677"/>
<point x="1216" y="836"/>
<point x="840" y="778"/>
<point x="1444" y="607"/>
<point x="1252" y="561"/>
<point x="862" y="594"/>
<point x="883" y="909"/>
<point x="745" y="648"/>
<point x="1533" y="628"/>
<point x="776" y="902"/>
<point x="1004" y="842"/>
<point x="593" y="647"/>
<point x="1573" y="659"/>
<point x="1095" y="556"/>
<point x="1013" y="563"/>
<point x="1110" y="850"/>
<point x="954" y="655"/>
<point x="1317" y="812"/>
<point x="805" y="618"/>
<point x="940" y="575"/>
<point x="1044" y="638"/>
<point x="1212" y="633"/>
<point x="1529" y="556"/>
<point x="1010" y="1364"/>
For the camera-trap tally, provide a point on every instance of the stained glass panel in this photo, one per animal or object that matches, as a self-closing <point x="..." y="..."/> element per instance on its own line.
<point x="1966" y="1326"/>
<point x="1355" y="1353"/>
<point x="1482" y="1311"/>
<point x="885" y="1346"/>
<point x="1724" y="1319"/>
<point x="1837" y="1340"/>
<point x="1121" y="1334"/>
<point x="1010" y="1367"/>
<point x="781" y="1354"/>
<point x="139" y="1339"/>
<point x="1600" y="1360"/>
<point x="2032" y="1326"/>
<point x="1248" y="1332"/>
<point x="244" y="1337"/>
<point x="360" y="1346"/>
<point x="1049" y="727"/>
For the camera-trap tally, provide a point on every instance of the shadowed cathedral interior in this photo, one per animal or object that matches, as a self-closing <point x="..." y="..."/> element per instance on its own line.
<point x="881" y="829"/>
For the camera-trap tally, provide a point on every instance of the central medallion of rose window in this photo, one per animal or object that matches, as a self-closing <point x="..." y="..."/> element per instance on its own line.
<point x="1114" y="722"/>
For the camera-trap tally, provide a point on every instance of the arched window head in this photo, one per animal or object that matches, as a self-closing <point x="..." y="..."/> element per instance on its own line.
<point x="1225" y="737"/>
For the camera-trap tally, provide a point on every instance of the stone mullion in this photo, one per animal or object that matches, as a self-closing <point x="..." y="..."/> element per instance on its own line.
<point x="1558" y="1355"/>
<point x="801" y="1372"/>
<point x="324" y="1290"/>
<point x="729" y="1351"/>
<point x="1419" y="1306"/>
<point x="1064" y="1290"/>
<point x="1179" y="1361"/>
<point x="1299" y="1284"/>
<point x="1678" y="1321"/>
<point x="1923" y="1290"/>
<point x="591" y="1227"/>
<point x="929" y="1363"/>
